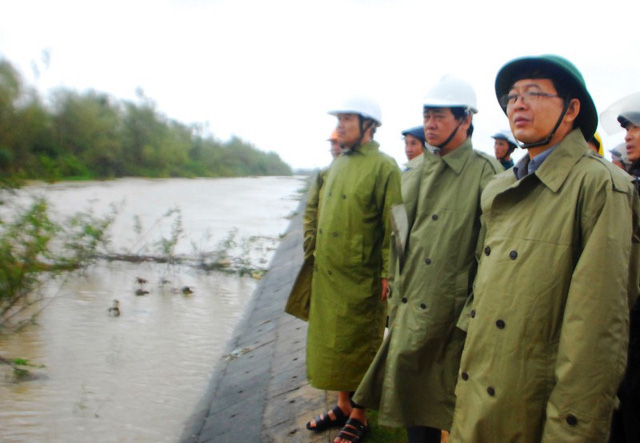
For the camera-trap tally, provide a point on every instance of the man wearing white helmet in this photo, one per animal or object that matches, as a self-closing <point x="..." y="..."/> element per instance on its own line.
<point x="504" y="146"/>
<point x="412" y="378"/>
<point x="349" y="285"/>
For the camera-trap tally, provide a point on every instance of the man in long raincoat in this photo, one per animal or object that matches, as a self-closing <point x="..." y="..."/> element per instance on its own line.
<point x="415" y="144"/>
<point x="300" y="296"/>
<point x="348" y="297"/>
<point x="547" y="333"/>
<point x="412" y="379"/>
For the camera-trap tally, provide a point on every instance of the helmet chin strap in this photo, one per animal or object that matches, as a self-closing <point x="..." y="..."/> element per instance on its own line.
<point x="548" y="138"/>
<point x="362" y="131"/>
<point x="453" y="134"/>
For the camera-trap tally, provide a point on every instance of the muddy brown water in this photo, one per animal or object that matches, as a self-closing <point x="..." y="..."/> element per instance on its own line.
<point x="137" y="377"/>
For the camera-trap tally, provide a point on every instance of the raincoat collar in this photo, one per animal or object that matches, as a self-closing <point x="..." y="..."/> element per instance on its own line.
<point x="413" y="163"/>
<point x="458" y="157"/>
<point x="556" y="168"/>
<point x="365" y="148"/>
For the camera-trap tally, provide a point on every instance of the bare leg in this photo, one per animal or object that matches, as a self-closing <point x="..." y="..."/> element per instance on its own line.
<point x="357" y="413"/>
<point x="344" y="403"/>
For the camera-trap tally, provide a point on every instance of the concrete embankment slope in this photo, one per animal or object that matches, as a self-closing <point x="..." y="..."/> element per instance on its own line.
<point x="259" y="391"/>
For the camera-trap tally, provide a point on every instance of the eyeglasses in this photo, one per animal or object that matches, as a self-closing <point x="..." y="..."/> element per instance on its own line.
<point x="527" y="97"/>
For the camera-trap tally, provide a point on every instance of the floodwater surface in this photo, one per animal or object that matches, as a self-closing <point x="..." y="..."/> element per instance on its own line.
<point x="137" y="377"/>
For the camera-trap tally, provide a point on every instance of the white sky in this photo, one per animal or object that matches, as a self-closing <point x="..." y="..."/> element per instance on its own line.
<point x="268" y="70"/>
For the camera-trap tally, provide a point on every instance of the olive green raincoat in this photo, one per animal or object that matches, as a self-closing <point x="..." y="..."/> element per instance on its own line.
<point x="412" y="379"/>
<point x="547" y="337"/>
<point x="300" y="296"/>
<point x="347" y="316"/>
<point x="412" y="167"/>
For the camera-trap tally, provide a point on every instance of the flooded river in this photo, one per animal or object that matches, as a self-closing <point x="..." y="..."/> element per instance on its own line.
<point x="138" y="377"/>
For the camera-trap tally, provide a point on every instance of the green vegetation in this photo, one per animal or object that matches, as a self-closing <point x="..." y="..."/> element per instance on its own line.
<point x="34" y="248"/>
<point x="383" y="434"/>
<point x="91" y="135"/>
<point x="20" y="367"/>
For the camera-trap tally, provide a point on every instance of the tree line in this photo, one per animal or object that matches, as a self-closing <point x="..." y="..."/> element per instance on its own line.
<point x="91" y="135"/>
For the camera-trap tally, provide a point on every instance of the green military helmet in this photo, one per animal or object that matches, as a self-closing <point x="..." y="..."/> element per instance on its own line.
<point x="561" y="71"/>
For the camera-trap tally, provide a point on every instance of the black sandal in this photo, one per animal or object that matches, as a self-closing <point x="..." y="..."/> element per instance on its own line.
<point x="353" y="430"/>
<point x="324" y="422"/>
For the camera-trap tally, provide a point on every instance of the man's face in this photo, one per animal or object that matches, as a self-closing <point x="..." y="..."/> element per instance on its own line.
<point x="412" y="146"/>
<point x="439" y="123"/>
<point x="501" y="147"/>
<point x="632" y="142"/>
<point x="533" y="119"/>
<point x="335" y="148"/>
<point x="348" y="129"/>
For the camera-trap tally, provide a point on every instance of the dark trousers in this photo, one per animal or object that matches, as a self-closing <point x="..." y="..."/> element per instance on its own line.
<point x="423" y="434"/>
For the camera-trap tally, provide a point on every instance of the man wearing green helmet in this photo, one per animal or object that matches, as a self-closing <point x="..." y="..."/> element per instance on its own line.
<point x="547" y="330"/>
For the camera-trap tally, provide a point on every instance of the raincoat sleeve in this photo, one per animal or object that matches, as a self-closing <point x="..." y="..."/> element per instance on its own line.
<point x="593" y="342"/>
<point x="310" y="217"/>
<point x="388" y="196"/>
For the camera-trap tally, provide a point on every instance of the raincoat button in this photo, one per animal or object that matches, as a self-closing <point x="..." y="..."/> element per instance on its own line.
<point x="434" y="217"/>
<point x="491" y="391"/>
<point x="423" y="306"/>
<point x="404" y="299"/>
<point x="500" y="324"/>
<point x="572" y="420"/>
<point x="473" y="313"/>
<point x="513" y="255"/>
<point x="427" y="261"/>
<point x="487" y="250"/>
<point x="465" y="376"/>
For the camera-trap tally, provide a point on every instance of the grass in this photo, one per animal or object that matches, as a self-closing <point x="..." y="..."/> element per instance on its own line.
<point x="383" y="434"/>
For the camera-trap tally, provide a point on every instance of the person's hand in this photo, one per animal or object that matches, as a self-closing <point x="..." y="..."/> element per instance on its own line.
<point x="385" y="289"/>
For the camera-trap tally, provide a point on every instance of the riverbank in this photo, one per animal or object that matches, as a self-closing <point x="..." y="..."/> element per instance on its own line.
<point x="259" y="391"/>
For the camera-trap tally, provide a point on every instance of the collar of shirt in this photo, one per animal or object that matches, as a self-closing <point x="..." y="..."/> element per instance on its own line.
<point x="506" y="164"/>
<point x="528" y="166"/>
<point x="554" y="172"/>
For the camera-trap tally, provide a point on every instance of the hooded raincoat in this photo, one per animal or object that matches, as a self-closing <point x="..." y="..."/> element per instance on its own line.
<point x="547" y="337"/>
<point x="412" y="379"/>
<point x="347" y="316"/>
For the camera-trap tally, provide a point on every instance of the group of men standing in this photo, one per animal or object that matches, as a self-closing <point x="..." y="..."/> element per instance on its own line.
<point x="509" y="292"/>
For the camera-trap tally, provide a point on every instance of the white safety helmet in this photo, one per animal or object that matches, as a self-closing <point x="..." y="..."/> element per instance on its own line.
<point x="626" y="110"/>
<point x="451" y="92"/>
<point x="363" y="106"/>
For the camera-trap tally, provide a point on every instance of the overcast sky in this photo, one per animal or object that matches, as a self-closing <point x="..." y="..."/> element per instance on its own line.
<point x="267" y="71"/>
